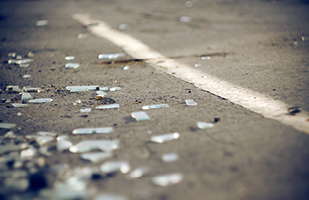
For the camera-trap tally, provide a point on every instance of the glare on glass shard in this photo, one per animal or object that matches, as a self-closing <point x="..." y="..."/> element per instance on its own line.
<point x="63" y="145"/>
<point x="110" y="197"/>
<point x="42" y="100"/>
<point x="169" y="157"/>
<point x="44" y="151"/>
<point x="197" y="65"/>
<point x="155" y="106"/>
<point x="7" y="125"/>
<point x="19" y="105"/>
<point x="44" y="133"/>
<point x="191" y="102"/>
<point x="96" y="157"/>
<point x="24" y="65"/>
<point x="101" y="93"/>
<point x="25" y="96"/>
<point x="164" y="138"/>
<point x="82" y="88"/>
<point x="140" y="116"/>
<point x="26" y="76"/>
<point x="110" y="106"/>
<point x="206" y="58"/>
<point x="114" y="166"/>
<point x="93" y="130"/>
<point x="28" y="153"/>
<point x="103" y="88"/>
<point x="111" y="56"/>
<point x="13" y="88"/>
<point x="185" y="19"/>
<point x="31" y="89"/>
<point x="43" y="140"/>
<point x="41" y="23"/>
<point x="69" y="58"/>
<point x="127" y="67"/>
<point x="90" y="145"/>
<point x="138" y="172"/>
<point x="112" y="89"/>
<point x="168" y="179"/>
<point x="62" y="137"/>
<point x="203" y="125"/>
<point x="85" y="110"/>
<point x="18" y="62"/>
<point x="72" y="65"/>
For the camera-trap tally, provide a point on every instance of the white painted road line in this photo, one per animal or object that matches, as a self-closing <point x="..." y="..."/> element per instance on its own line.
<point x="249" y="99"/>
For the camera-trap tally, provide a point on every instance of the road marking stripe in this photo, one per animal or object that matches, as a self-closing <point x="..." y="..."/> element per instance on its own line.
<point x="249" y="99"/>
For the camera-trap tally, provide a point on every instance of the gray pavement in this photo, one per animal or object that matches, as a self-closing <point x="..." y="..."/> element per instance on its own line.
<point x="245" y="156"/>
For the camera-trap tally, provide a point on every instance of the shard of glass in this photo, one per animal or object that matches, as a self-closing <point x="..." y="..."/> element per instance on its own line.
<point x="42" y="100"/>
<point x="204" y="125"/>
<point x="90" y="145"/>
<point x="140" y="116"/>
<point x="96" y="156"/>
<point x="155" y="106"/>
<point x="93" y="130"/>
<point x="168" y="179"/>
<point x="114" y="166"/>
<point x="165" y="137"/>
<point x="110" y="106"/>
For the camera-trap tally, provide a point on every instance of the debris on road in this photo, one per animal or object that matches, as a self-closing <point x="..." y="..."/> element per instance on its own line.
<point x="7" y="125"/>
<point x="25" y="96"/>
<point x="12" y="54"/>
<point x="123" y="26"/>
<point x="169" y="157"/>
<point x="72" y="65"/>
<point x="115" y="166"/>
<point x="127" y="67"/>
<point x="206" y="58"/>
<point x="90" y="145"/>
<point x="18" y="62"/>
<point x="204" y="125"/>
<point x="185" y="19"/>
<point x="168" y="179"/>
<point x="26" y="76"/>
<point x="83" y="36"/>
<point x="42" y="100"/>
<point x="111" y="56"/>
<point x="82" y="88"/>
<point x="69" y="58"/>
<point x="190" y="102"/>
<point x="148" y="107"/>
<point x="140" y="116"/>
<point x="63" y="144"/>
<point x="113" y="89"/>
<point x="138" y="172"/>
<point x="85" y="110"/>
<point x="294" y="110"/>
<point x="197" y="65"/>
<point x="41" y="23"/>
<point x="96" y="156"/>
<point x="110" y="106"/>
<point x="165" y="137"/>
<point x="93" y="130"/>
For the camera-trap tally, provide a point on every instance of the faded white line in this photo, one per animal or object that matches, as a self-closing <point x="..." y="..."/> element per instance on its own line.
<point x="249" y="99"/>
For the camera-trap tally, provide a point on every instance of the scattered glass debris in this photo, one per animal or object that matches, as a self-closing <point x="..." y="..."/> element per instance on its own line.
<point x="166" y="180"/>
<point x="188" y="4"/>
<point x="85" y="110"/>
<point x="63" y="144"/>
<point x="206" y="58"/>
<point x="72" y="65"/>
<point x="62" y="137"/>
<point x="18" y="62"/>
<point x="12" y="54"/>
<point x="44" y="133"/>
<point x="43" y="100"/>
<point x="185" y="19"/>
<point x="19" y="57"/>
<point x="110" y="197"/>
<point x="19" y="114"/>
<point x="113" y="89"/>
<point x="19" y="105"/>
<point x="69" y="58"/>
<point x="44" y="139"/>
<point x="165" y="137"/>
<point x="110" y="106"/>
<point x="114" y="166"/>
<point x="82" y="88"/>
<point x="89" y="145"/>
<point x="169" y="157"/>
<point x="13" y="88"/>
<point x="111" y="56"/>
<point x="31" y="89"/>
<point x="25" y="96"/>
<point x="44" y="151"/>
<point x="10" y="147"/>
<point x="197" y="65"/>
<point x="28" y="153"/>
<point x="83" y="35"/>
<point x="138" y="172"/>
<point x="96" y="157"/>
<point x="7" y="125"/>
<point x="24" y="65"/>
<point x="41" y="23"/>
<point x="123" y="26"/>
<point x="93" y="130"/>
<point x="204" y="125"/>
<point x="31" y="137"/>
<point x="155" y="106"/>
<point x="127" y="67"/>
<point x="10" y="134"/>
<point x="101" y="93"/>
<point x="190" y="102"/>
<point x="140" y="116"/>
<point x="103" y="88"/>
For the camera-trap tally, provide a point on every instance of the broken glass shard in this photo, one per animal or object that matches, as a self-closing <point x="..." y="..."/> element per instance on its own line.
<point x="31" y="89"/>
<point x="13" y="88"/>
<point x="155" y="106"/>
<point x="85" y="110"/>
<point x="101" y="93"/>
<point x="10" y="134"/>
<point x="90" y="145"/>
<point x="138" y="172"/>
<point x="83" y="36"/>
<point x="115" y="89"/>
<point x="7" y="125"/>
<point x="114" y="166"/>
<point x="72" y="65"/>
<point x="13" y="54"/>
<point x="10" y="147"/>
<point x="185" y="19"/>
<point x="203" y="125"/>
<point x="19" y="114"/>
<point x="44" y="139"/>
<point x="206" y="58"/>
<point x="28" y="153"/>
<point x="190" y="102"/>
<point x="24" y="65"/>
<point x="169" y="157"/>
<point x="18" y="62"/>
<point x="110" y="106"/>
<point x="96" y="157"/>
<point x="44" y="151"/>
<point x="43" y="100"/>
<point x="123" y="26"/>
<point x="25" y="96"/>
<point x="31" y="137"/>
<point x="140" y="116"/>
<point x="110" y="197"/>
<point x="197" y="65"/>
<point x="93" y="130"/>
<point x="103" y="88"/>
<point x="41" y="23"/>
<point x="19" y="57"/>
<point x="69" y="57"/>
<point x="82" y="88"/>
<point x="111" y="56"/>
<point x="62" y="137"/>
<point x="127" y="67"/>
<point x="168" y="179"/>
<point x="63" y="145"/>
<point x="44" y="133"/>
<point x="165" y="137"/>
<point x="19" y="105"/>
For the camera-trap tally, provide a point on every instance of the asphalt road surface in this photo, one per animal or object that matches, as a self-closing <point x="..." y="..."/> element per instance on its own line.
<point x="260" y="47"/>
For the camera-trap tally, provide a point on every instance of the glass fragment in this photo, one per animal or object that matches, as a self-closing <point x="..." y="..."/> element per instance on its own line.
<point x="204" y="125"/>
<point x="62" y="137"/>
<point x="96" y="157"/>
<point x="104" y="88"/>
<point x="165" y="137"/>
<point x="185" y="19"/>
<point x="191" y="102"/>
<point x="83" y="36"/>
<point x="28" y="153"/>
<point x="13" y="54"/>
<point x="18" y="62"/>
<point x="197" y="65"/>
<point x="127" y="67"/>
<point x="111" y="56"/>
<point x="19" y="57"/>
<point x="188" y="4"/>
<point x="42" y="100"/>
<point x="10" y="134"/>
<point x="69" y="58"/>
<point x="113" y="89"/>
<point x="206" y="58"/>
<point x="44" y="133"/>
<point x="19" y="105"/>
<point x="89" y="145"/>
<point x="169" y="157"/>
<point x="140" y="116"/>
<point x="123" y="26"/>
<point x="44" y="139"/>
<point x="19" y="114"/>
<point x="72" y="65"/>
<point x="7" y="125"/>
<point x="114" y="166"/>
<point x="138" y="172"/>
<point x="13" y="88"/>
<point x="93" y="130"/>
<point x="110" y="106"/>
<point x="155" y="106"/>
<point x="63" y="144"/>
<point x="85" y="110"/>
<point x="82" y="88"/>
<point x="41" y="23"/>
<point x="25" y="96"/>
<point x="31" y="89"/>
<point x="168" y="179"/>
<point x="24" y="65"/>
<point x="44" y="151"/>
<point x="110" y="197"/>
<point x="101" y="93"/>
